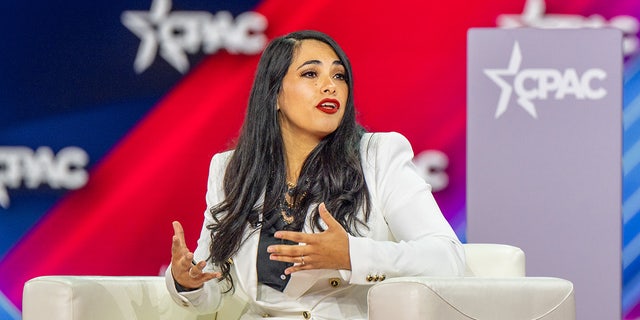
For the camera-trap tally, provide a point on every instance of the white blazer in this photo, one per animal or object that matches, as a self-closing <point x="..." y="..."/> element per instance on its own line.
<point x="407" y="236"/>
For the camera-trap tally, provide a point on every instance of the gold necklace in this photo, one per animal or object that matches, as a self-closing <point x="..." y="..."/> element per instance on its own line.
<point x="286" y="218"/>
<point x="286" y="210"/>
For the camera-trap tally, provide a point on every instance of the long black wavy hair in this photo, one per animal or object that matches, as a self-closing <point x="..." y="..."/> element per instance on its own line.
<point x="332" y="172"/>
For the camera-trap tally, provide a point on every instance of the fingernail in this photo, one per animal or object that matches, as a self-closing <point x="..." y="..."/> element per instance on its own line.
<point x="277" y="234"/>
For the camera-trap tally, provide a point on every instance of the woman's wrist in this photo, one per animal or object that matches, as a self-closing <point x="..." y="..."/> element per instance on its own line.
<point x="181" y="288"/>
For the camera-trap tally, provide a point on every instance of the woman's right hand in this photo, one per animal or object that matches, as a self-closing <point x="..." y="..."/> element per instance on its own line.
<point x="183" y="270"/>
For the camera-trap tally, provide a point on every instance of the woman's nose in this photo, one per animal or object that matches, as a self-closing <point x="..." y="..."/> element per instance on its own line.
<point x="329" y="86"/>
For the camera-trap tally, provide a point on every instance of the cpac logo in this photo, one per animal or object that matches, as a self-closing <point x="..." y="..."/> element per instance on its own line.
<point x="534" y="16"/>
<point x="24" y="166"/>
<point x="174" y="34"/>
<point x="543" y="84"/>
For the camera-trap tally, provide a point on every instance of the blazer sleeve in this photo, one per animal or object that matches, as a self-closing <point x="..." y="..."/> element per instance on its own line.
<point x="425" y="244"/>
<point x="207" y="299"/>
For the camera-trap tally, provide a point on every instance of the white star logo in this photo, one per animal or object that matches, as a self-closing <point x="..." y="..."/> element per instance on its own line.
<point x="144" y="25"/>
<point x="497" y="74"/>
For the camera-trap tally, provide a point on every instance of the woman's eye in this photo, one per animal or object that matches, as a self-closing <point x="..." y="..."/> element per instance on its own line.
<point x="309" y="74"/>
<point x="340" y="76"/>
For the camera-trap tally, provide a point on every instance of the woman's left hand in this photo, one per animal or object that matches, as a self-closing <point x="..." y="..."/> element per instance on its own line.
<point x="325" y="250"/>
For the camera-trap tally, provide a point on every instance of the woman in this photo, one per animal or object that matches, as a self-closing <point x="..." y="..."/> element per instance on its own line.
<point x="308" y="211"/>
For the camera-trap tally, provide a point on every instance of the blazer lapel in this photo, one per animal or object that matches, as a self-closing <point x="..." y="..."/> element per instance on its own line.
<point x="245" y="264"/>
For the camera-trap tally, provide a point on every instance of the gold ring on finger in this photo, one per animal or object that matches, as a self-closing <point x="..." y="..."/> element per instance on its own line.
<point x="191" y="275"/>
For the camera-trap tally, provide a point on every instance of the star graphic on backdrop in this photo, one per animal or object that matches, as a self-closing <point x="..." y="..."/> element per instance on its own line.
<point x="144" y="25"/>
<point x="506" y="88"/>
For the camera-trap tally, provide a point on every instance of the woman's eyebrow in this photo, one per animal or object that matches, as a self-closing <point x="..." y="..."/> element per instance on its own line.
<point x="308" y="62"/>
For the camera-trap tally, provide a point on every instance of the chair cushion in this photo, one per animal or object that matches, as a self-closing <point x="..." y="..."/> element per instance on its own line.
<point x="494" y="260"/>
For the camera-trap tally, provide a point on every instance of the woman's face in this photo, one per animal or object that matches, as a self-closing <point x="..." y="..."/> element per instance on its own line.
<point x="314" y="93"/>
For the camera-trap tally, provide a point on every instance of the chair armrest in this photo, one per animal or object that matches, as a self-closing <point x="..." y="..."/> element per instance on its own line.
<point x="494" y="260"/>
<point x="101" y="298"/>
<point x="467" y="298"/>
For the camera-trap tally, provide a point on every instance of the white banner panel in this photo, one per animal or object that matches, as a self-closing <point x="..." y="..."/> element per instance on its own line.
<point x="544" y="139"/>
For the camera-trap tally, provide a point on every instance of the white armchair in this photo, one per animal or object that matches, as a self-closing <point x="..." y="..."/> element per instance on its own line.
<point x="495" y="288"/>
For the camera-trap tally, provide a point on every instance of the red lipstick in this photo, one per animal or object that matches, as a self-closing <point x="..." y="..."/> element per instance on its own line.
<point x="329" y="106"/>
